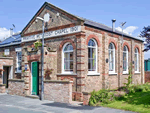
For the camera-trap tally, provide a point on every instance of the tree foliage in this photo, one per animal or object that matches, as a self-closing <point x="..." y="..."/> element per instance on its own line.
<point x="146" y="34"/>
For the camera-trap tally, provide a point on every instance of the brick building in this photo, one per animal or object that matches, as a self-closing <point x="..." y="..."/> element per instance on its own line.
<point x="90" y="54"/>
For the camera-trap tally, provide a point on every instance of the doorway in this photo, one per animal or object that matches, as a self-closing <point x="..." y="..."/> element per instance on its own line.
<point x="35" y="78"/>
<point x="6" y="75"/>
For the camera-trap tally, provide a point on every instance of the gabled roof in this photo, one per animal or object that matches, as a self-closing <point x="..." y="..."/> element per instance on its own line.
<point x="12" y="40"/>
<point x="42" y="7"/>
<point x="86" y="22"/>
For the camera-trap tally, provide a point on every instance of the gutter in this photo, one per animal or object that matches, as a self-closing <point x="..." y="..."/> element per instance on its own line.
<point x="10" y="44"/>
<point x="113" y="32"/>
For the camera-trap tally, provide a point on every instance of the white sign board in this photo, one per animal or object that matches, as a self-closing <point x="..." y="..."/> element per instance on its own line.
<point x="55" y="33"/>
<point x="18" y="49"/>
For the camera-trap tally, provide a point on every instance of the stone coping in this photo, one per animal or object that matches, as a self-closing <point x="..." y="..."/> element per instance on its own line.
<point x="86" y="93"/>
<point x="66" y="74"/>
<point x="57" y="81"/>
<point x="6" y="57"/>
<point x="2" y="84"/>
<point x="16" y="80"/>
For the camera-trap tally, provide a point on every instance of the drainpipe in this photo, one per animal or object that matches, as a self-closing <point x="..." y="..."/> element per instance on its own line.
<point x="76" y="62"/>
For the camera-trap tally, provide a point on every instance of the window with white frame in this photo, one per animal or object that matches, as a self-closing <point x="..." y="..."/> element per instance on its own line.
<point x="136" y="57"/>
<point x="6" y="52"/>
<point x="111" y="51"/>
<point x="67" y="58"/>
<point x="92" y="56"/>
<point x="18" y="61"/>
<point x="125" y="59"/>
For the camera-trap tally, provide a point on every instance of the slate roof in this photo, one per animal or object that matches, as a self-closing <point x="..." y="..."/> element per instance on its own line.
<point x="12" y="40"/>
<point x="107" y="28"/>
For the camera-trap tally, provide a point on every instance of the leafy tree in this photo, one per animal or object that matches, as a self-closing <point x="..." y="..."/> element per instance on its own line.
<point x="146" y="34"/>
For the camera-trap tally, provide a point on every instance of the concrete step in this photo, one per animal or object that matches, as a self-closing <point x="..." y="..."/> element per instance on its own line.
<point x="33" y="96"/>
<point x="6" y="91"/>
<point x="76" y="103"/>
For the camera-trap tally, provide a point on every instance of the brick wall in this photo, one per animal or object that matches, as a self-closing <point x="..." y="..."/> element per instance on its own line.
<point x="12" y="53"/>
<point x="2" y="88"/>
<point x="147" y="76"/>
<point x="62" y="20"/>
<point x="16" y="87"/>
<point x="106" y="80"/>
<point x="58" y="91"/>
<point x="86" y="98"/>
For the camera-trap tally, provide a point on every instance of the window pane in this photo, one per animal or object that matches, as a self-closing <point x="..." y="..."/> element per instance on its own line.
<point x="124" y="61"/>
<point x="89" y="65"/>
<point x="124" y="66"/>
<point x="93" y="53"/>
<point x="71" y="56"/>
<point x="110" y="46"/>
<point x="19" y="66"/>
<point x="92" y="59"/>
<point x="19" y="60"/>
<point x="89" y="52"/>
<point x="68" y="47"/>
<point x="68" y="58"/>
<point x="66" y="66"/>
<point x="135" y="62"/>
<point x="71" y="66"/>
<point x="111" y="60"/>
<point x="91" y="43"/>
<point x="93" y="65"/>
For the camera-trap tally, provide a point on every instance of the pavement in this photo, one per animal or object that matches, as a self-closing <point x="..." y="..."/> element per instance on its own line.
<point x="19" y="104"/>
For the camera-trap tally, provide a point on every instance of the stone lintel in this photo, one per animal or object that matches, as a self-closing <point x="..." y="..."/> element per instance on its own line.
<point x="16" y="80"/>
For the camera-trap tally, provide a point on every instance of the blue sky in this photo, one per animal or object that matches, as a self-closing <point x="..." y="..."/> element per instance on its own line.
<point x="134" y="12"/>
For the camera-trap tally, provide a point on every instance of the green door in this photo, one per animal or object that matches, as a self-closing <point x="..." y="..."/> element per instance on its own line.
<point x="35" y="77"/>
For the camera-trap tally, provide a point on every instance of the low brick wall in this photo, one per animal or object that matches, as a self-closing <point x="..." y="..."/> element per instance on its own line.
<point x="147" y="76"/>
<point x="58" y="91"/>
<point x="86" y="98"/>
<point x="2" y="88"/>
<point x="16" y="87"/>
<point x="77" y="96"/>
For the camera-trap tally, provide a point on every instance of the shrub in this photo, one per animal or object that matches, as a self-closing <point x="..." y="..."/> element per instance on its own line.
<point x="138" y="88"/>
<point x="102" y="97"/>
<point x="37" y="44"/>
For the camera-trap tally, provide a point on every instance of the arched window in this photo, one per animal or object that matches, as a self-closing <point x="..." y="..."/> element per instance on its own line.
<point x="125" y="59"/>
<point x="67" y="58"/>
<point x="111" y="51"/>
<point x="92" y="56"/>
<point x="136" y="60"/>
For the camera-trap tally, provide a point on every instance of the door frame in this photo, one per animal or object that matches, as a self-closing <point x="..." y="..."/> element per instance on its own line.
<point x="10" y="73"/>
<point x="31" y="78"/>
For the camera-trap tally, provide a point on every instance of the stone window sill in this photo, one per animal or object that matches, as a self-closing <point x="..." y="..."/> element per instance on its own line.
<point x="18" y="72"/>
<point x="93" y="74"/>
<point x="125" y="73"/>
<point x="112" y="73"/>
<point x="137" y="73"/>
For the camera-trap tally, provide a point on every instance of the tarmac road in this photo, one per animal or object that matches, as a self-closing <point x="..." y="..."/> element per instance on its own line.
<point x="18" y="104"/>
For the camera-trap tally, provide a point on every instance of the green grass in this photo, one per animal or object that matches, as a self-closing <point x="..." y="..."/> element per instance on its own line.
<point x="138" y="102"/>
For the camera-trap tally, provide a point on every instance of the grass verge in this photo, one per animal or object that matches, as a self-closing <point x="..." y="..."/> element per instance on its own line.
<point x="138" y="102"/>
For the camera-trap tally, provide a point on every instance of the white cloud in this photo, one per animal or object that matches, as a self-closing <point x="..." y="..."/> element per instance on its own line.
<point x="4" y="33"/>
<point x="129" y="30"/>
